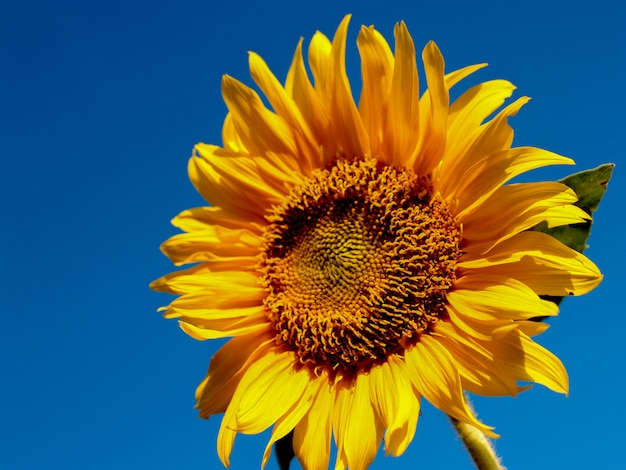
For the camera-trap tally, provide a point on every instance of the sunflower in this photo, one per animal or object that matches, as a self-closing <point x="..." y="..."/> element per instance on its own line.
<point x="364" y="256"/>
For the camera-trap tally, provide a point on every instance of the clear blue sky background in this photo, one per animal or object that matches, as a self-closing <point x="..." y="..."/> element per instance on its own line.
<point x="100" y="105"/>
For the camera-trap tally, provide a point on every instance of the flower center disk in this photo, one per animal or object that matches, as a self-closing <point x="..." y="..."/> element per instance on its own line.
<point x="357" y="263"/>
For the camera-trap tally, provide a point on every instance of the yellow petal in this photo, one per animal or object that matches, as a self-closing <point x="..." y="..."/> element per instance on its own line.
<point x="319" y="60"/>
<point x="321" y="67"/>
<point x="490" y="138"/>
<point x="398" y="406"/>
<point x="492" y="298"/>
<point x="402" y="123"/>
<point x="553" y="216"/>
<point x="484" y="177"/>
<point x="226" y="369"/>
<point x="201" y="218"/>
<point x="227" y="193"/>
<point x="539" y="261"/>
<point x="433" y="112"/>
<point x="456" y="76"/>
<point x="293" y="416"/>
<point x="479" y="327"/>
<point x="557" y="216"/>
<point x="481" y="371"/>
<point x="202" y="314"/>
<point x="286" y="107"/>
<point x="469" y="112"/>
<point x="516" y="207"/>
<point x="212" y="243"/>
<point x="299" y="87"/>
<point x="348" y="127"/>
<point x="257" y="127"/>
<point x="255" y="321"/>
<point x="377" y="64"/>
<point x="230" y="138"/>
<point x="198" y="305"/>
<point x="205" y="289"/>
<point x="225" y="442"/>
<point x="532" y="328"/>
<point x="263" y="177"/>
<point x="495" y="135"/>
<point x="531" y="362"/>
<point x="226" y="436"/>
<point x="267" y="391"/>
<point x="209" y="278"/>
<point x="357" y="430"/>
<point x="311" y="438"/>
<point x="435" y="376"/>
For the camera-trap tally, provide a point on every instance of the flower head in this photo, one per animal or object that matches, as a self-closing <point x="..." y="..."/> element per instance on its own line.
<point x="363" y="256"/>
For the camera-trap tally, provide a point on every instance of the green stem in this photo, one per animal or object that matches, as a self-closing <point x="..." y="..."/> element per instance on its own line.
<point x="478" y="445"/>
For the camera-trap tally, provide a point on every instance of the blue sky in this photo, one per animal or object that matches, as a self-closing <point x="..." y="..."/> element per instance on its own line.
<point x="100" y="105"/>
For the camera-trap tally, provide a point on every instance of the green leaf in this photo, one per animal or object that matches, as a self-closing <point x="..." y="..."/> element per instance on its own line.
<point x="589" y="186"/>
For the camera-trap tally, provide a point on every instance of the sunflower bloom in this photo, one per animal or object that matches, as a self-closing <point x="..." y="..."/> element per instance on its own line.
<point x="362" y="256"/>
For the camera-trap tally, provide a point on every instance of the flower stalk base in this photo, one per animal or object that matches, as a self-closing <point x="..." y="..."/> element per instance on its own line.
<point x="478" y="445"/>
